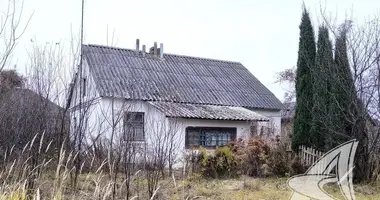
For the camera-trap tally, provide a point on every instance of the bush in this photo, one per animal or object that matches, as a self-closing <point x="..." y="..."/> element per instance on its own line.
<point x="252" y="157"/>
<point x="221" y="164"/>
<point x="278" y="161"/>
<point x="296" y="167"/>
<point x="251" y="154"/>
<point x="225" y="162"/>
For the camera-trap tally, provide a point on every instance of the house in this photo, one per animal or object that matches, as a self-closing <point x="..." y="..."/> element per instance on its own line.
<point x="24" y="113"/>
<point x="138" y="96"/>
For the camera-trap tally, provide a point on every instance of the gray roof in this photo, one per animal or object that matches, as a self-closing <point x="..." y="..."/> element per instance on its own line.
<point x="198" y="111"/>
<point x="124" y="73"/>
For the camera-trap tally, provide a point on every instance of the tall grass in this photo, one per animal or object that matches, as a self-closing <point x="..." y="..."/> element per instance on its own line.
<point x="38" y="171"/>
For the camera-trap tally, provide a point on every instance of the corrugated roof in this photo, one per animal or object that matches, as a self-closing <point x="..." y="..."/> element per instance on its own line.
<point x="124" y="73"/>
<point x="199" y="111"/>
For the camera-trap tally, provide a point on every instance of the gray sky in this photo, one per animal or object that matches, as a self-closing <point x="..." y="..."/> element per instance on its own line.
<point x="262" y="35"/>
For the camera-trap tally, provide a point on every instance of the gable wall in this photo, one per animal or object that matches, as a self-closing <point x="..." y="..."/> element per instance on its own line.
<point x="86" y="114"/>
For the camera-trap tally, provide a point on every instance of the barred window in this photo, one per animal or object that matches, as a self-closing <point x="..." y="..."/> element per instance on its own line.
<point x="210" y="137"/>
<point x="134" y="126"/>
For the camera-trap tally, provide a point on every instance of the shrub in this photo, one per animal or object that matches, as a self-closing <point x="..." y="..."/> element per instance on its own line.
<point x="278" y="161"/>
<point x="221" y="164"/>
<point x="296" y="167"/>
<point x="225" y="162"/>
<point x="251" y="155"/>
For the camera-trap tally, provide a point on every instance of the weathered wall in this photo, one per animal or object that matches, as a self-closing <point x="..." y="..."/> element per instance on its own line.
<point x="103" y="119"/>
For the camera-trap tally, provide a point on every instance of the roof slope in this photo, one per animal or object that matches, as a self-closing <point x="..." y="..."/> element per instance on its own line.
<point x="124" y="73"/>
<point x="197" y="111"/>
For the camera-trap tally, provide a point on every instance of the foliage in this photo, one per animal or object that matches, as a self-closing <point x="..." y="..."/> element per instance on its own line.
<point x="278" y="161"/>
<point x="321" y="89"/>
<point x="296" y="167"/>
<point x="253" y="155"/>
<point x="221" y="164"/>
<point x="304" y="88"/>
<point x="10" y="79"/>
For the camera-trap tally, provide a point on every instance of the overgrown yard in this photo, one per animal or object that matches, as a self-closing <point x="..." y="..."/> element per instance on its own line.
<point x="198" y="188"/>
<point x="251" y="188"/>
<point x="195" y="187"/>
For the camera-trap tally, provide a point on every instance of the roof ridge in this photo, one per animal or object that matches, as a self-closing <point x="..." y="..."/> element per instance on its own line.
<point x="171" y="54"/>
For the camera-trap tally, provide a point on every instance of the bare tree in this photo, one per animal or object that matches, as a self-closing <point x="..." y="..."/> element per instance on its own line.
<point x="288" y="77"/>
<point x="161" y="150"/>
<point x="11" y="30"/>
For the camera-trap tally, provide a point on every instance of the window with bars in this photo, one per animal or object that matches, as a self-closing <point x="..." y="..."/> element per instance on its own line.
<point x="209" y="137"/>
<point x="134" y="126"/>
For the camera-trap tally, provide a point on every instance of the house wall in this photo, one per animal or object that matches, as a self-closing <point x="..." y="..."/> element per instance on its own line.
<point x="286" y="128"/>
<point x="286" y="131"/>
<point x="105" y="124"/>
<point x="84" y="109"/>
<point x="103" y="119"/>
<point x="275" y="120"/>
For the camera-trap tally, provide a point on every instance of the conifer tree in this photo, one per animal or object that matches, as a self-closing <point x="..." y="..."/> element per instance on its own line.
<point x="321" y="86"/>
<point x="347" y="112"/>
<point x="342" y="94"/>
<point x="304" y="87"/>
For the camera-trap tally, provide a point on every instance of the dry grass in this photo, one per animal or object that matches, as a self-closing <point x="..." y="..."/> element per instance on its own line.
<point x="97" y="186"/>
<point x="52" y="180"/>
<point x="251" y="188"/>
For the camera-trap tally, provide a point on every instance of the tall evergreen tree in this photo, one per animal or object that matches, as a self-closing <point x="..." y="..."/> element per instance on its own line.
<point x="342" y="94"/>
<point x="347" y="113"/>
<point x="321" y="87"/>
<point x="304" y="87"/>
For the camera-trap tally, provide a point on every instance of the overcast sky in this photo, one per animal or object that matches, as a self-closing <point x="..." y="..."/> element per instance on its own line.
<point x="262" y="35"/>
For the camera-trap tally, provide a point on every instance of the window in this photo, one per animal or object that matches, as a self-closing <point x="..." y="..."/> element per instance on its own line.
<point x="209" y="136"/>
<point x="134" y="126"/>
